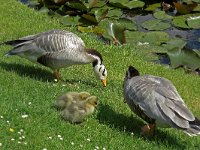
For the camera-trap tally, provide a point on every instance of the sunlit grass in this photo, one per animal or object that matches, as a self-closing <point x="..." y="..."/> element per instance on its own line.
<point x="27" y="91"/>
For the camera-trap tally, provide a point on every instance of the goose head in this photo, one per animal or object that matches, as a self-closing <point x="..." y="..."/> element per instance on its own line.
<point x="98" y="67"/>
<point x="131" y="72"/>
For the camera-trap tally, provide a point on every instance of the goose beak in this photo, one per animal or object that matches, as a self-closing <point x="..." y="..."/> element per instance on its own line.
<point x="104" y="82"/>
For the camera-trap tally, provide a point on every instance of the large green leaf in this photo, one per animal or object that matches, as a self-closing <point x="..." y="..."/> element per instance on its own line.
<point x="117" y="33"/>
<point x="194" y="22"/>
<point x="90" y="18"/>
<point x="180" y="21"/>
<point x="95" y="3"/>
<point x="155" y="37"/>
<point x="184" y="57"/>
<point x="135" y="4"/>
<point x="155" y="25"/>
<point x="134" y="37"/>
<point x="123" y="22"/>
<point x="162" y="15"/>
<point x="127" y="24"/>
<point x="70" y="21"/>
<point x="187" y="21"/>
<point x="114" y="13"/>
<point x="152" y="7"/>
<point x="100" y="13"/>
<point x="76" y="5"/>
<point x="114" y="31"/>
<point x="174" y="43"/>
<point x="127" y="4"/>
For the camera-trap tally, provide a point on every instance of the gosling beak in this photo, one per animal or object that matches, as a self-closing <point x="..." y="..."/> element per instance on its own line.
<point x="104" y="82"/>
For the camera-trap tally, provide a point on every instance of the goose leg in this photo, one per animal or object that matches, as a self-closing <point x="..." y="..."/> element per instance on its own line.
<point x="148" y="130"/>
<point x="56" y="73"/>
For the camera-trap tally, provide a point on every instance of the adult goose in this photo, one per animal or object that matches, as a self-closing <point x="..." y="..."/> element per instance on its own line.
<point x="58" y="49"/>
<point x="156" y="100"/>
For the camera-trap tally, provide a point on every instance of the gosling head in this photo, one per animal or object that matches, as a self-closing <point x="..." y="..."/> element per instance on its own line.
<point x="92" y="100"/>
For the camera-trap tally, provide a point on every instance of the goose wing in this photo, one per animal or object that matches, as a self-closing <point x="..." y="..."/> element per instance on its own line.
<point x="159" y="99"/>
<point x="52" y="41"/>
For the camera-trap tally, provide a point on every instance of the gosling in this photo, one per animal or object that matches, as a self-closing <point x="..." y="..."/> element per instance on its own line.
<point x="69" y="98"/>
<point x="77" y="112"/>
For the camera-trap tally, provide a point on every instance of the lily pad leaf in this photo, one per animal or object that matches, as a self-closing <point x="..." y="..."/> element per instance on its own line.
<point x="156" y="37"/>
<point x="153" y="38"/>
<point x="155" y="25"/>
<point x="194" y="22"/>
<point x="127" y="24"/>
<point x="187" y="21"/>
<point x="152" y="7"/>
<point x="114" y="13"/>
<point x="100" y="13"/>
<point x="162" y="15"/>
<point x="115" y="33"/>
<point x="90" y="18"/>
<point x="127" y="4"/>
<point x="180" y="21"/>
<point x="70" y="21"/>
<point x="174" y="43"/>
<point x="95" y="3"/>
<point x="184" y="57"/>
<point x="135" y="4"/>
<point x="76" y="5"/>
<point x="134" y="37"/>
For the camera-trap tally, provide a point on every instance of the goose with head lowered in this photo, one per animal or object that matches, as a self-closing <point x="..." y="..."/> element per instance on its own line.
<point x="156" y="100"/>
<point x="58" y="49"/>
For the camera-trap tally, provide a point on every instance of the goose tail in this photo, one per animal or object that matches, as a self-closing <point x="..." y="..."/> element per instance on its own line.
<point x="194" y="129"/>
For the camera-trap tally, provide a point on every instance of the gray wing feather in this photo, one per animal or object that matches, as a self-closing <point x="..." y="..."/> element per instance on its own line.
<point x="158" y="96"/>
<point x="171" y="113"/>
<point x="50" y="41"/>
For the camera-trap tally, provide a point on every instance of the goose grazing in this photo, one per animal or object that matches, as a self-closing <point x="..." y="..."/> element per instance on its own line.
<point x="58" y="49"/>
<point x="156" y="100"/>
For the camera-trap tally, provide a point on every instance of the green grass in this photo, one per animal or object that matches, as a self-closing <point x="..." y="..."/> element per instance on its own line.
<point x="112" y="126"/>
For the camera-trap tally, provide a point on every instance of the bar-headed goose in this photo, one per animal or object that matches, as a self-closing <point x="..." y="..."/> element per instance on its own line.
<point x="58" y="49"/>
<point x="157" y="101"/>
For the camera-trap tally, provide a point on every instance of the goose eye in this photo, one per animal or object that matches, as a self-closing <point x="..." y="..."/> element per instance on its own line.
<point x="99" y="69"/>
<point x="103" y="74"/>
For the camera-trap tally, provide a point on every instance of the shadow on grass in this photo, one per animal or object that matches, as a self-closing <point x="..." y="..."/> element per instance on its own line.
<point x="133" y="125"/>
<point x="29" y="71"/>
<point x="39" y="73"/>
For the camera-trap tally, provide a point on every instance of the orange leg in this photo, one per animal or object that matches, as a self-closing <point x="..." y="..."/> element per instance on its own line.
<point x="148" y="130"/>
<point x="56" y="73"/>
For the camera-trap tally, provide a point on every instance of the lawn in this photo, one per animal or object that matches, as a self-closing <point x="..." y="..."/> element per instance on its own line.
<point x="27" y="91"/>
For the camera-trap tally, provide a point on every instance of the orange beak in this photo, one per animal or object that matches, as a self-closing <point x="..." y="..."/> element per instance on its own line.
<point x="104" y="82"/>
